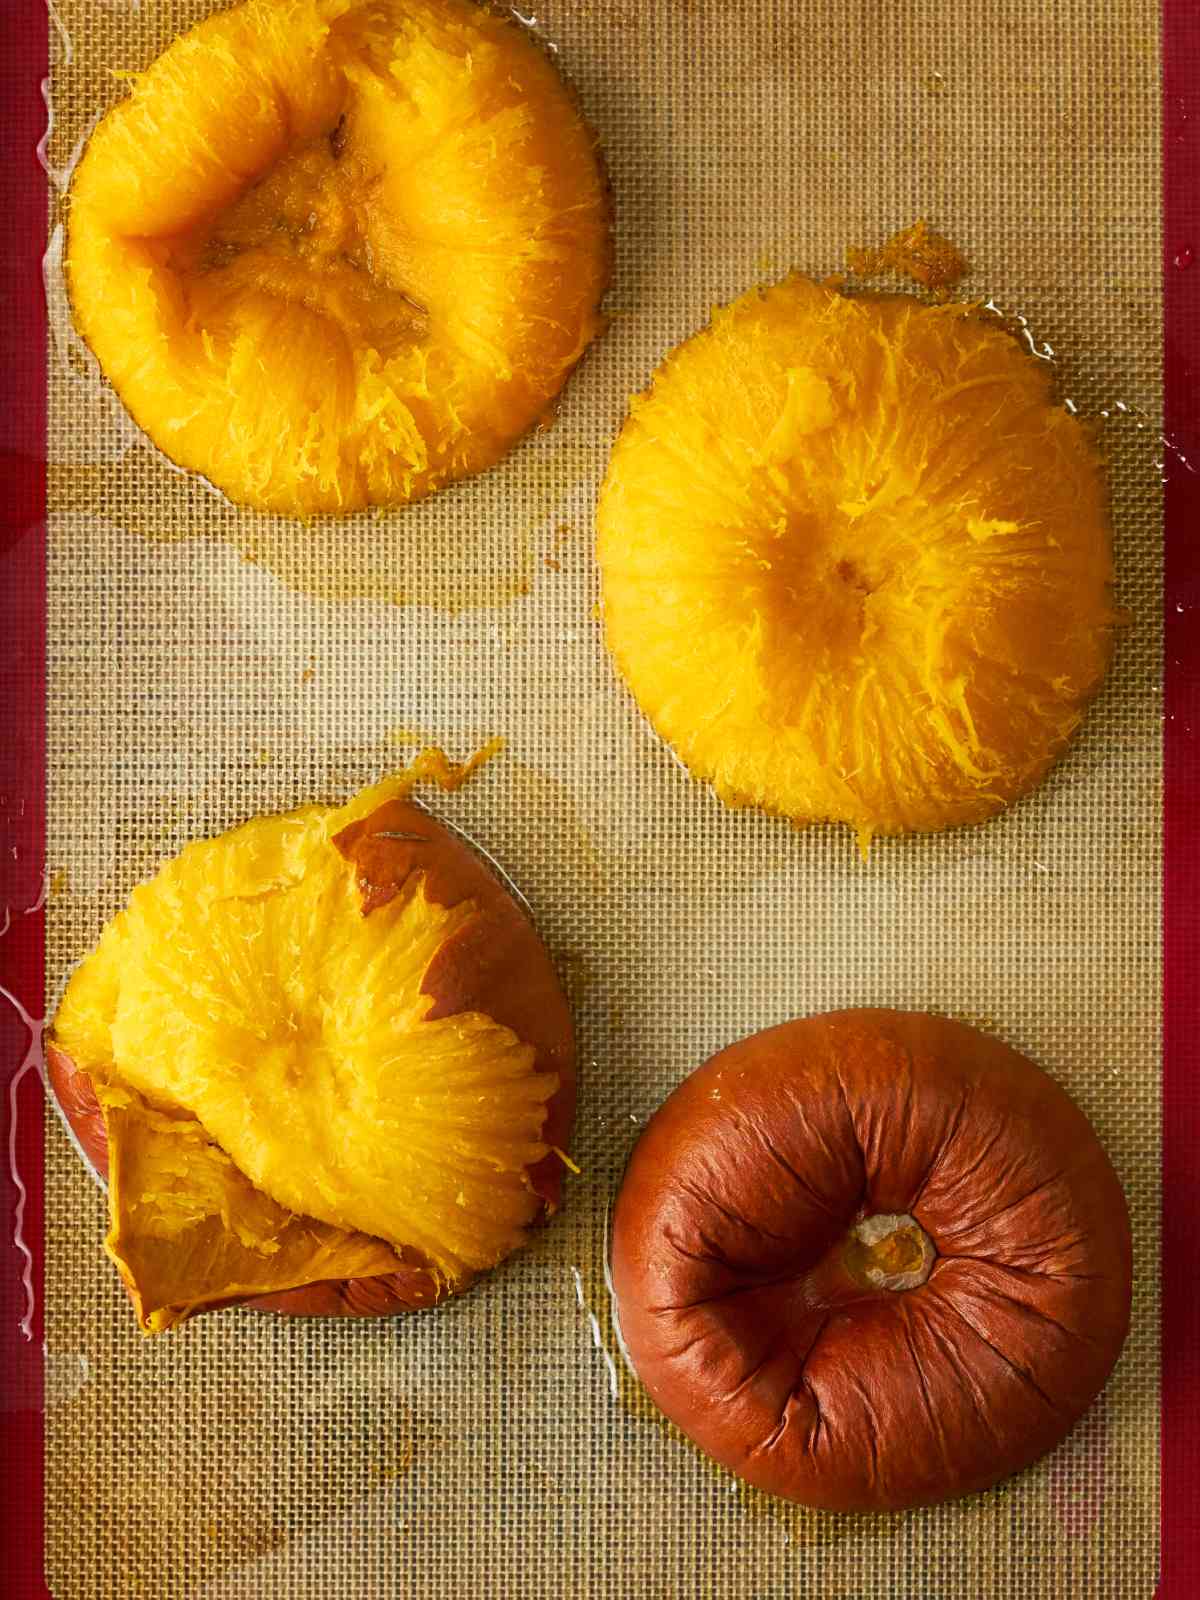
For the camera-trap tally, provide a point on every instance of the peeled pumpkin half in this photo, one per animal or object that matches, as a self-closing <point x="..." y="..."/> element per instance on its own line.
<point x="325" y="1063"/>
<point x="334" y="254"/>
<point x="856" y="561"/>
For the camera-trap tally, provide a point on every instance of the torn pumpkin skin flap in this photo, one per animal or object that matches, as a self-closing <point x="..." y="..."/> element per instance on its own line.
<point x="190" y="1231"/>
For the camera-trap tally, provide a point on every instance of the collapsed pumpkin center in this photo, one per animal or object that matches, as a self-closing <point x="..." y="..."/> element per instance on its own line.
<point x="889" y="1252"/>
<point x="301" y="235"/>
<point x="849" y="573"/>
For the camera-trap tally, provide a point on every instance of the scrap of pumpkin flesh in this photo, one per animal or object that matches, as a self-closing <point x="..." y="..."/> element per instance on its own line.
<point x="279" y="1109"/>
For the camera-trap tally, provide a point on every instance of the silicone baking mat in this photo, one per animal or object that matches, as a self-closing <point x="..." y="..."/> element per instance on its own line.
<point x="205" y="664"/>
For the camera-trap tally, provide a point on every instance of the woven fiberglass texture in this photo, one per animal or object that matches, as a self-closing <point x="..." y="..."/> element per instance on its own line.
<point x="207" y="664"/>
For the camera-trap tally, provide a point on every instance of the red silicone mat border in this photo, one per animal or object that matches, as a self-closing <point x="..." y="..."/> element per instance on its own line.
<point x="23" y="197"/>
<point x="23" y="210"/>
<point x="1181" y="790"/>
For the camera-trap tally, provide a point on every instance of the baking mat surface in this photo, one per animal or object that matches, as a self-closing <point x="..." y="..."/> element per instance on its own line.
<point x="207" y="664"/>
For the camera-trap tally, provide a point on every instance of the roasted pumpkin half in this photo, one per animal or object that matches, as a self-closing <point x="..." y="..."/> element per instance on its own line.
<point x="857" y="561"/>
<point x="323" y="1059"/>
<point x="339" y="253"/>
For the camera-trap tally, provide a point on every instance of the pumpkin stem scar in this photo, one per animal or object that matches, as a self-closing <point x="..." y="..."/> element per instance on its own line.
<point x="889" y="1252"/>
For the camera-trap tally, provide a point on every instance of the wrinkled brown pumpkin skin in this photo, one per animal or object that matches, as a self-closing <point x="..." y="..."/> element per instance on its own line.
<point x="496" y="964"/>
<point x="731" y="1270"/>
